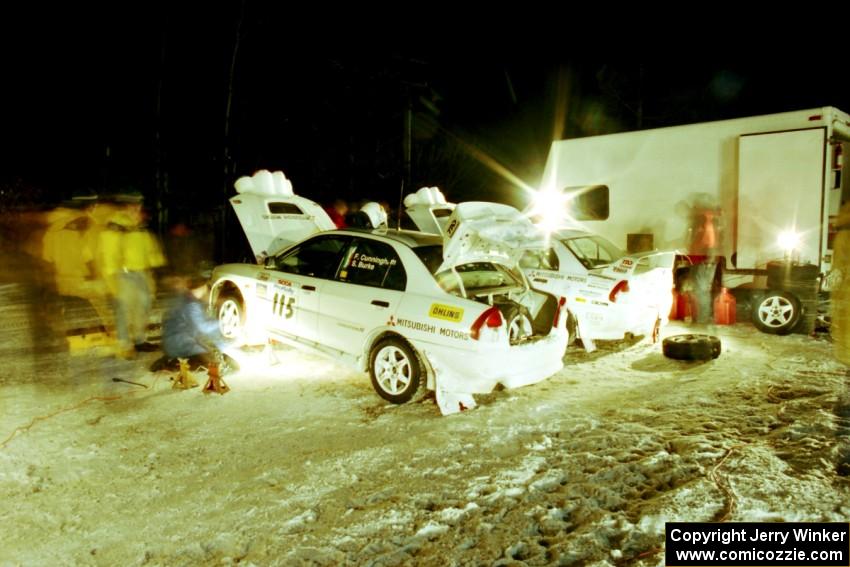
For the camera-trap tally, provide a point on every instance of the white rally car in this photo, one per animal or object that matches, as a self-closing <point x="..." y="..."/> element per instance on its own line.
<point x="451" y="313"/>
<point x="609" y="293"/>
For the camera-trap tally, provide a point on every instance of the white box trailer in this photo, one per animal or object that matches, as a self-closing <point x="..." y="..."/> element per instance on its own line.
<point x="764" y="175"/>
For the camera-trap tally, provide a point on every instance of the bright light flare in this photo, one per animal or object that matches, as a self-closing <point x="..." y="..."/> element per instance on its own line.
<point x="282" y="364"/>
<point x="789" y="240"/>
<point x="549" y="209"/>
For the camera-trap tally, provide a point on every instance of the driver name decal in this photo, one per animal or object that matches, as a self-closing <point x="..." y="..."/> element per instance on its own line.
<point x="365" y="262"/>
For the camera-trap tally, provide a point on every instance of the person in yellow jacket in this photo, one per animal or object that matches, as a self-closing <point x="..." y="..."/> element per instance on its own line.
<point x="62" y="248"/>
<point x="99" y="213"/>
<point x="68" y="250"/>
<point x="127" y="255"/>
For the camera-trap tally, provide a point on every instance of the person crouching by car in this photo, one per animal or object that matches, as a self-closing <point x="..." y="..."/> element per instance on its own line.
<point x="188" y="332"/>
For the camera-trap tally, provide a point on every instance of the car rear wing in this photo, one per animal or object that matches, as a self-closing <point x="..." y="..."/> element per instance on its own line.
<point x="639" y="262"/>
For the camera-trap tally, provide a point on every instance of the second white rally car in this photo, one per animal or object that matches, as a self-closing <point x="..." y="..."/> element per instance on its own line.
<point x="453" y="313"/>
<point x="609" y="293"/>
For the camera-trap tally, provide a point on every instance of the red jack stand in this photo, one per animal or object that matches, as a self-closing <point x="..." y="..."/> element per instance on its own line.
<point x="215" y="382"/>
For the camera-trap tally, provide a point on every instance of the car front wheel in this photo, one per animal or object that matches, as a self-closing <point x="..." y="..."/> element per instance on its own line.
<point x="231" y="316"/>
<point x="395" y="370"/>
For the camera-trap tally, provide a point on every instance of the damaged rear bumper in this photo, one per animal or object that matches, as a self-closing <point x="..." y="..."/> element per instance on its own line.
<point x="460" y="373"/>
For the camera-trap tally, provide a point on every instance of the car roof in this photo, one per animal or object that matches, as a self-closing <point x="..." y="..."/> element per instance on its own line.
<point x="411" y="238"/>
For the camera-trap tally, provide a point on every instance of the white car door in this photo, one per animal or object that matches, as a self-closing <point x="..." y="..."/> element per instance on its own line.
<point x="541" y="268"/>
<point x="298" y="280"/>
<point x="365" y="295"/>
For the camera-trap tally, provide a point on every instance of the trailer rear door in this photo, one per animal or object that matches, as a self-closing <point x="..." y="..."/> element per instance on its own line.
<point x="780" y="188"/>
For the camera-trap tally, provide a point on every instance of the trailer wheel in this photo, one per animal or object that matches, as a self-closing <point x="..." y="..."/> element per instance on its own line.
<point x="691" y="347"/>
<point x="777" y="312"/>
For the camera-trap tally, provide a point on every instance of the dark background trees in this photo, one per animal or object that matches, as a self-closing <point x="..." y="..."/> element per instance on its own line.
<point x="178" y="102"/>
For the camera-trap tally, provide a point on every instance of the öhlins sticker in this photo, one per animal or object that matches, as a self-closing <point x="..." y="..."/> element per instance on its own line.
<point x="445" y="312"/>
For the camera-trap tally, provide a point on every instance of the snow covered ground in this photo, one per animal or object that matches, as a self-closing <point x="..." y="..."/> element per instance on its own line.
<point x="303" y="464"/>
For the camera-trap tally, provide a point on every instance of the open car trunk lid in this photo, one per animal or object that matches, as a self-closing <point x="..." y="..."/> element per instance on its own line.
<point x="272" y="216"/>
<point x="473" y="231"/>
<point x="487" y="232"/>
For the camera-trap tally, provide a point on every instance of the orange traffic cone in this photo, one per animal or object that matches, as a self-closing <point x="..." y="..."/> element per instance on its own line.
<point x="215" y="382"/>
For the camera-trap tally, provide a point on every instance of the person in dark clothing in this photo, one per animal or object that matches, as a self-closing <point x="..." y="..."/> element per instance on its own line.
<point x="187" y="331"/>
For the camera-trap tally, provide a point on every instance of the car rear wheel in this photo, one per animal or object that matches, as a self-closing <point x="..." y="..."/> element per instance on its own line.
<point x="518" y="321"/>
<point x="572" y="329"/>
<point x="231" y="316"/>
<point x="395" y="370"/>
<point x="519" y="327"/>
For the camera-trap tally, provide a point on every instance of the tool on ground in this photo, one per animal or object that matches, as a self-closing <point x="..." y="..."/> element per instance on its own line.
<point x="130" y="382"/>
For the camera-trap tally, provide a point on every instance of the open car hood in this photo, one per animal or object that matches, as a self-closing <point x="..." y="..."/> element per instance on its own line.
<point x="272" y="216"/>
<point x="487" y="232"/>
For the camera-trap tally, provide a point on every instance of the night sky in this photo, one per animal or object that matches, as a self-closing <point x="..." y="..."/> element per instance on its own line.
<point x="138" y="100"/>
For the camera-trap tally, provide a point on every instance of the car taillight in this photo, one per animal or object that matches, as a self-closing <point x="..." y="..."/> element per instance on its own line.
<point x="556" y="320"/>
<point x="623" y="286"/>
<point x="492" y="317"/>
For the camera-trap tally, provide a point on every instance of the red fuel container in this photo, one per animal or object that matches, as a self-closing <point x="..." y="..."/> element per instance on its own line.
<point x="686" y="307"/>
<point x="724" y="308"/>
<point x="674" y="307"/>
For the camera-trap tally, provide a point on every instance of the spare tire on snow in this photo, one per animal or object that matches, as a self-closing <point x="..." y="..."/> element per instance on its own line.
<point x="691" y="347"/>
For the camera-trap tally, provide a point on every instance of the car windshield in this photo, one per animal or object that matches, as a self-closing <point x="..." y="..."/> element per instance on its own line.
<point x="593" y="250"/>
<point x="473" y="279"/>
